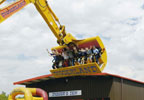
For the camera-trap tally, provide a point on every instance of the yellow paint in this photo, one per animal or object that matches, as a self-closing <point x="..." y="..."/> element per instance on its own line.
<point x="34" y="98"/>
<point x="46" y="12"/>
<point x="20" y="90"/>
<point x="12" y="9"/>
<point x="1" y="1"/>
<point x="32" y="90"/>
<point x="58" y="30"/>
<point x="84" y="69"/>
<point x="27" y="92"/>
<point x="75" y="70"/>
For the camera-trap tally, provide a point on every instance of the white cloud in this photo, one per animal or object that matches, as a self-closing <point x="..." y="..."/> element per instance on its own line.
<point x="25" y="36"/>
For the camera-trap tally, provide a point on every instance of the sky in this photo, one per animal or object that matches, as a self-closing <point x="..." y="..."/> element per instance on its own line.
<point x="24" y="37"/>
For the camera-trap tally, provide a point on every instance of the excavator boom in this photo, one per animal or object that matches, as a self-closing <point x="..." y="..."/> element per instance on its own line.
<point x="1" y="1"/>
<point x="85" y="65"/>
<point x="12" y="9"/>
<point x="48" y="15"/>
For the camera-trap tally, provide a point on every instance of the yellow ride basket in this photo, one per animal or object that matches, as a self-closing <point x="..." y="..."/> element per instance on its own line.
<point x="83" y="69"/>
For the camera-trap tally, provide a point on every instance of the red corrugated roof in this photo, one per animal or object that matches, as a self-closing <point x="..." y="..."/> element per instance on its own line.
<point x="46" y="77"/>
<point x="108" y="74"/>
<point x="32" y="79"/>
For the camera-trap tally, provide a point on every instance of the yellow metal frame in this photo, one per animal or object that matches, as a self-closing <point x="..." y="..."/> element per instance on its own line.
<point x="85" y="69"/>
<point x="46" y="12"/>
<point x="58" y="30"/>
<point x="1" y="1"/>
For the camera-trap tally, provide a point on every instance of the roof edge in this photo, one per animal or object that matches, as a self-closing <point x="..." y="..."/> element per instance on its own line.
<point x="31" y="79"/>
<point x="97" y="74"/>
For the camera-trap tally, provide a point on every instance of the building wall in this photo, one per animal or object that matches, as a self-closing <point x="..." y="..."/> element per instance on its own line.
<point x="92" y="87"/>
<point x="132" y="91"/>
<point x="126" y="90"/>
<point x="115" y="93"/>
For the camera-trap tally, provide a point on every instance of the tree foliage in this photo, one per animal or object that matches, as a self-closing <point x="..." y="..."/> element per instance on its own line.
<point x="3" y="96"/>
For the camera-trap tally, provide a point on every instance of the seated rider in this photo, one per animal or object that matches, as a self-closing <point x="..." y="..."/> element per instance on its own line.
<point x="89" y="55"/>
<point x="76" y="55"/>
<point x="95" y="54"/>
<point x="56" y="55"/>
<point x="70" y="53"/>
<point x="82" y="53"/>
<point x="66" y="57"/>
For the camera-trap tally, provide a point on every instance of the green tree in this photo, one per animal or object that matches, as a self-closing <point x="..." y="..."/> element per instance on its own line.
<point x="3" y="96"/>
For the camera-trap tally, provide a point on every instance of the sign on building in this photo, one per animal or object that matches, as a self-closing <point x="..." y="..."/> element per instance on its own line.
<point x="65" y="93"/>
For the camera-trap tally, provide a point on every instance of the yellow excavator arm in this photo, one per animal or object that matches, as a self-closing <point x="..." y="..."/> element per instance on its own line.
<point x="1" y="1"/>
<point x="44" y="9"/>
<point x="63" y="39"/>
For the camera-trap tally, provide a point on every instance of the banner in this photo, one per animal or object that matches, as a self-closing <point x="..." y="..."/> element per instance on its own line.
<point x="6" y="12"/>
<point x="85" y="69"/>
